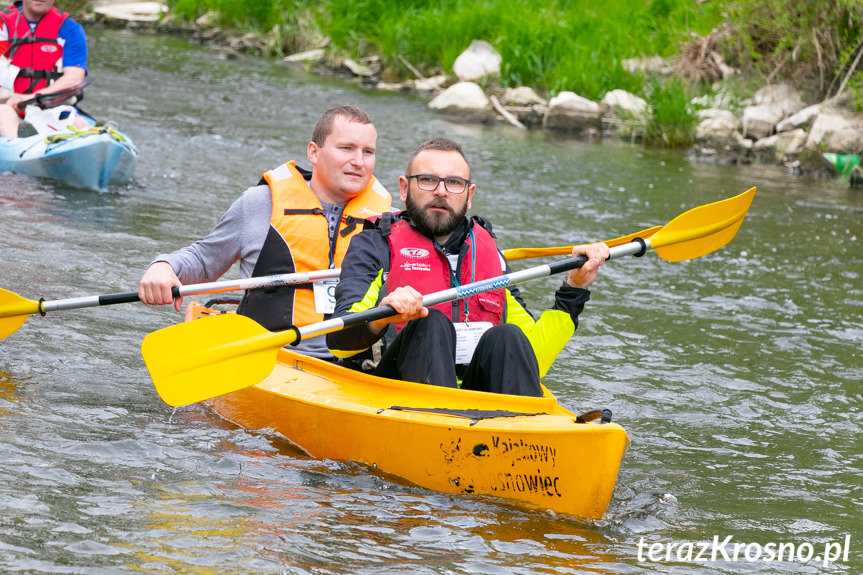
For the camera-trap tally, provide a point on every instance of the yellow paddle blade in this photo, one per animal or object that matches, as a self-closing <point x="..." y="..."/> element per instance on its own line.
<point x="14" y="311"/>
<point x="702" y="230"/>
<point x="525" y="253"/>
<point x="197" y="360"/>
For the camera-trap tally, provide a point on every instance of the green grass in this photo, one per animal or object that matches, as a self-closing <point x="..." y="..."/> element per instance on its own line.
<point x="557" y="45"/>
<point x="574" y="45"/>
<point x="673" y="118"/>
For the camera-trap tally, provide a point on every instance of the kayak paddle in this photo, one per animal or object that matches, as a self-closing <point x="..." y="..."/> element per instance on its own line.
<point x="212" y="356"/>
<point x="15" y="309"/>
<point x="526" y="253"/>
<point x="55" y="98"/>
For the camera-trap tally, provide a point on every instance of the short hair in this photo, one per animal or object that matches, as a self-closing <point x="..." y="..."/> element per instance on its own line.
<point x="324" y="126"/>
<point x="439" y="144"/>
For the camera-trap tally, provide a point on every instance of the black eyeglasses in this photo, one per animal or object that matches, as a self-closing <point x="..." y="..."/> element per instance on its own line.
<point x="452" y="184"/>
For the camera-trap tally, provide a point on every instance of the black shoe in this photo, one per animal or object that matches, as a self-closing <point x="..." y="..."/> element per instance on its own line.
<point x="26" y="129"/>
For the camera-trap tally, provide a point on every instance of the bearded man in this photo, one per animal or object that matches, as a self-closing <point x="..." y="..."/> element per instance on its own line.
<point x="489" y="341"/>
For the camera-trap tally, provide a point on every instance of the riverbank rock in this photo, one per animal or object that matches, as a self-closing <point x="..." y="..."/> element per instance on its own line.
<point x="856" y="178"/>
<point x="425" y="87"/>
<point x="772" y="104"/>
<point x="717" y="127"/>
<point x="760" y="121"/>
<point x="569" y="112"/>
<point x="132" y="11"/>
<point x="835" y="133"/>
<point x="528" y="106"/>
<point x="464" y="100"/>
<point x="802" y="119"/>
<point x="621" y="104"/>
<point x="479" y="61"/>
<point x="779" y="147"/>
<point x="308" y="57"/>
<point x="718" y="138"/>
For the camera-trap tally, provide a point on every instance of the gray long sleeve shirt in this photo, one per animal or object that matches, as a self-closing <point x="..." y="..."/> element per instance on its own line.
<point x="238" y="237"/>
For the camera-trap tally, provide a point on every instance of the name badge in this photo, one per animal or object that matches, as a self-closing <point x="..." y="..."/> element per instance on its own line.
<point x="466" y="339"/>
<point x="325" y="295"/>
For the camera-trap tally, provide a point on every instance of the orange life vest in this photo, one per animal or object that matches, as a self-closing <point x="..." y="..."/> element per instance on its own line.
<point x="298" y="241"/>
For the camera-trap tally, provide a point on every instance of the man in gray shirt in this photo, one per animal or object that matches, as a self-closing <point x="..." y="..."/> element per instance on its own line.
<point x="292" y="221"/>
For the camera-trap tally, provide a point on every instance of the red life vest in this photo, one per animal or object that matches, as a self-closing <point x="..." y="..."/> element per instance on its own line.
<point x="297" y="241"/>
<point x="37" y="52"/>
<point x="416" y="261"/>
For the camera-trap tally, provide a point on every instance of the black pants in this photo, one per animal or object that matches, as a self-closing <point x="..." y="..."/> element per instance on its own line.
<point x="424" y="352"/>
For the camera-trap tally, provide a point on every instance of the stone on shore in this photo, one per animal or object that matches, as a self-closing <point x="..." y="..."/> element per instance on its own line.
<point x="617" y="101"/>
<point x="465" y="100"/>
<point x="836" y="133"/>
<point x="802" y="119"/>
<point x="784" y="96"/>
<point x="856" y="177"/>
<point x="760" y="121"/>
<point x="132" y="11"/>
<point x="528" y="106"/>
<point x="716" y="126"/>
<point x="480" y="60"/>
<point x="771" y="105"/>
<point x="569" y="112"/>
<point x="776" y="148"/>
<point x="314" y="55"/>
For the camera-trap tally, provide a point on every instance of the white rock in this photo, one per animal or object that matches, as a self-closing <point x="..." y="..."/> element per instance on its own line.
<point x="773" y="148"/>
<point x="522" y="96"/>
<point x="307" y="56"/>
<point x="759" y="121"/>
<point x="133" y="11"/>
<point x="433" y="84"/>
<point x="802" y="119"/>
<point x="836" y="133"/>
<point x="479" y="60"/>
<point x="464" y="99"/>
<point x="569" y="111"/>
<point x="357" y="69"/>
<point x="782" y="96"/>
<point x="621" y="100"/>
<point x="716" y="124"/>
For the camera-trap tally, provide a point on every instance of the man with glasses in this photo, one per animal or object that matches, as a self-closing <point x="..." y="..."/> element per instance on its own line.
<point x="489" y="341"/>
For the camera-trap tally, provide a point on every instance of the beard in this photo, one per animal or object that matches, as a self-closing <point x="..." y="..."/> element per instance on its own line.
<point x="433" y="223"/>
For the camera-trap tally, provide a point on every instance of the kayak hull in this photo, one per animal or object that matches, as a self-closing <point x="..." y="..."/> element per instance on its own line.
<point x="533" y="451"/>
<point x="92" y="160"/>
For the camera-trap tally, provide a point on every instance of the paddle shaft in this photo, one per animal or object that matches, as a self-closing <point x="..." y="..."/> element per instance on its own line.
<point x="460" y="292"/>
<point x="176" y="365"/>
<point x="191" y="289"/>
<point x="54" y="98"/>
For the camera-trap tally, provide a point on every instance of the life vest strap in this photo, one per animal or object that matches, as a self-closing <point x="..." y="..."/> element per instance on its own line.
<point x="303" y="211"/>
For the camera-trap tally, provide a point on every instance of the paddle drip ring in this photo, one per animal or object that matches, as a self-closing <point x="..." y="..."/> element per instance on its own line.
<point x="296" y="330"/>
<point x="643" y="247"/>
<point x="42" y="311"/>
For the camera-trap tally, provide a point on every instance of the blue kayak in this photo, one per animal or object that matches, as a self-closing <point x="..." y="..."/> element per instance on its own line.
<point x="93" y="158"/>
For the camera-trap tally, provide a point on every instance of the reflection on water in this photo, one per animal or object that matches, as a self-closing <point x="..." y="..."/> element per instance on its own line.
<point x="737" y="375"/>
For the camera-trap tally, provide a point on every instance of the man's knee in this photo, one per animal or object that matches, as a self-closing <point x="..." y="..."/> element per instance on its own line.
<point x="504" y="334"/>
<point x="434" y="323"/>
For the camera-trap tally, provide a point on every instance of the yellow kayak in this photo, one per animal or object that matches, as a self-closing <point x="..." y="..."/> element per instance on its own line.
<point x="525" y="449"/>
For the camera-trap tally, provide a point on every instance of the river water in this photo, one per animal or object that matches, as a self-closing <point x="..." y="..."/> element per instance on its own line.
<point x="737" y="375"/>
